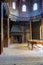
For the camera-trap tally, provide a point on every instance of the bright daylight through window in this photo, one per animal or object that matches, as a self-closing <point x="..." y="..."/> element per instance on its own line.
<point x="14" y="5"/>
<point x="35" y="6"/>
<point x="24" y="8"/>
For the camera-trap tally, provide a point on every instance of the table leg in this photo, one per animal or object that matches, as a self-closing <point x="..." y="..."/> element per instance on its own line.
<point x="30" y="45"/>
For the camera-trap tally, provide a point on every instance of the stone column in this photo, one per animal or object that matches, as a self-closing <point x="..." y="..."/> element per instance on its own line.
<point x="23" y="38"/>
<point x="42" y="28"/>
<point x="30" y="45"/>
<point x="8" y="32"/>
<point x="42" y="23"/>
<point x="1" y="28"/>
<point x="40" y="32"/>
<point x="30" y="30"/>
<point x="23" y="35"/>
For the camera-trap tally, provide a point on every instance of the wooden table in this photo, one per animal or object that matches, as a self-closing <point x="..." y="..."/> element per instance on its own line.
<point x="32" y="42"/>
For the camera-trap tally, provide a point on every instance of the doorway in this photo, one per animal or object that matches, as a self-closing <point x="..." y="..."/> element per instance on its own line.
<point x="16" y="39"/>
<point x="36" y="30"/>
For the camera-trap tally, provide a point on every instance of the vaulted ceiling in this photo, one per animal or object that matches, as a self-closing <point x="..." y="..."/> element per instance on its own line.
<point x="19" y="13"/>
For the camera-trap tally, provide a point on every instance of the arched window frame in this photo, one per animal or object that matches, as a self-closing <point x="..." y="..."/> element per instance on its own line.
<point x="35" y="6"/>
<point x="23" y="8"/>
<point x="14" y="5"/>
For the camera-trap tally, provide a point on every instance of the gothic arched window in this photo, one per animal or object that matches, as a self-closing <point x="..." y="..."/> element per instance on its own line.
<point x="24" y="8"/>
<point x="35" y="6"/>
<point x="14" y="5"/>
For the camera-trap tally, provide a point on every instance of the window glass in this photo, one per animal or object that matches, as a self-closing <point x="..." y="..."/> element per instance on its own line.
<point x="24" y="8"/>
<point x="14" y="5"/>
<point x="35" y="6"/>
